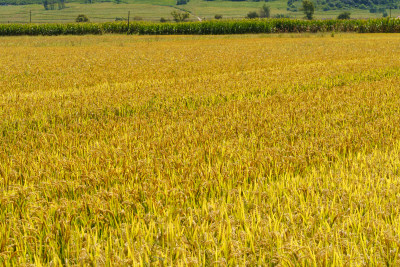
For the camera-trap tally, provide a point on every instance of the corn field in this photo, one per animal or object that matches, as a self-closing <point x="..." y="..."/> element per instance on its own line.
<point x="245" y="26"/>
<point x="228" y="150"/>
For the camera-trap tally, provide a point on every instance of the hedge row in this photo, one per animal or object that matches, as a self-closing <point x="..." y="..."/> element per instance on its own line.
<point x="206" y="27"/>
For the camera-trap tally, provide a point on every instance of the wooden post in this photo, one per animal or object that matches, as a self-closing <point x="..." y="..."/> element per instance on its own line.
<point x="129" y="14"/>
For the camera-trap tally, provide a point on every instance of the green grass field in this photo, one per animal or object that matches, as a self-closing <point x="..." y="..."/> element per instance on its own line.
<point x="154" y="10"/>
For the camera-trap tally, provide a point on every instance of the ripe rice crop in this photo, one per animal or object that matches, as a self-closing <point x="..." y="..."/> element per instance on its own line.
<point x="207" y="27"/>
<point x="198" y="150"/>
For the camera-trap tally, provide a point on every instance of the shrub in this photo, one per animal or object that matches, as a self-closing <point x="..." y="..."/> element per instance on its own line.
<point x="344" y="15"/>
<point x="162" y="20"/>
<point x="218" y="16"/>
<point x="252" y="15"/>
<point x="280" y="16"/>
<point x="82" y="18"/>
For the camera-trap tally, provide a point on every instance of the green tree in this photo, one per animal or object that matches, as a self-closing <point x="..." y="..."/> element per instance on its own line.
<point x="180" y="16"/>
<point x="46" y="4"/>
<point x="308" y="9"/>
<point x="61" y="4"/>
<point x="265" y="11"/>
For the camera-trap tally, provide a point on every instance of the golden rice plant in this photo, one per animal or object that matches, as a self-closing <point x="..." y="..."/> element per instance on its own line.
<point x="202" y="151"/>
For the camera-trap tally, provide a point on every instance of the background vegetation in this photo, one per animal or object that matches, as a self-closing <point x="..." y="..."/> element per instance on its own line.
<point x="207" y="27"/>
<point x="100" y="11"/>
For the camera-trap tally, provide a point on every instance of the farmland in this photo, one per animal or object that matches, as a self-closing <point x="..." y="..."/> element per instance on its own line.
<point x="200" y="150"/>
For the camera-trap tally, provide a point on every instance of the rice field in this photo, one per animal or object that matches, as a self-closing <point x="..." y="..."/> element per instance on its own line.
<point x="270" y="150"/>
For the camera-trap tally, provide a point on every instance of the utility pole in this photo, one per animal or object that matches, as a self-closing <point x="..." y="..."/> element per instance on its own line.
<point x="30" y="16"/>
<point x="129" y="14"/>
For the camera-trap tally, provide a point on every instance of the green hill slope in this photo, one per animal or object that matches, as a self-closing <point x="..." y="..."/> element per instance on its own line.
<point x="110" y="10"/>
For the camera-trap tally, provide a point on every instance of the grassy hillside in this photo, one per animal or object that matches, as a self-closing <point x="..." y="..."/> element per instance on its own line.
<point x="154" y="10"/>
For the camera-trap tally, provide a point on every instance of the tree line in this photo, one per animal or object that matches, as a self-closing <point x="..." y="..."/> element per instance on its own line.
<point x="375" y="6"/>
<point x="53" y="4"/>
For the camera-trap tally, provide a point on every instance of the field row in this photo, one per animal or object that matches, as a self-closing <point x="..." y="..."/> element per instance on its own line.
<point x="207" y="27"/>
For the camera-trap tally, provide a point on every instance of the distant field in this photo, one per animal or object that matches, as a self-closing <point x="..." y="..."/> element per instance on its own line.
<point x="200" y="150"/>
<point x="154" y="10"/>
